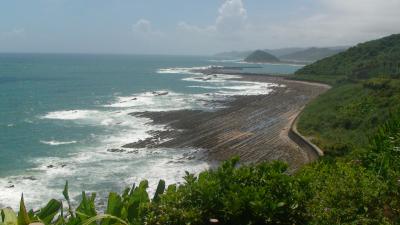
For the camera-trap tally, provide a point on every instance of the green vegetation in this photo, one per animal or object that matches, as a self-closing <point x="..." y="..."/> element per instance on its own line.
<point x="311" y="54"/>
<point x="356" y="123"/>
<point x="363" y="61"/>
<point x="361" y="190"/>
<point x="260" y="56"/>
<point x="341" y="120"/>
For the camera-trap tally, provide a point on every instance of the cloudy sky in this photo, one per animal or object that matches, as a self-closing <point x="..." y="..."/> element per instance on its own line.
<point x="190" y="26"/>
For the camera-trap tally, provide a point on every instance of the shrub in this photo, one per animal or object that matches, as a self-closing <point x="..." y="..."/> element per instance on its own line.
<point x="257" y="194"/>
<point x="377" y="83"/>
<point x="344" y="193"/>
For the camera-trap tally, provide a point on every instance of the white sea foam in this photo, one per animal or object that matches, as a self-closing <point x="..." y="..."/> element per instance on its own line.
<point x="214" y="78"/>
<point x="183" y="70"/>
<point x="56" y="143"/>
<point x="89" y="166"/>
<point x="225" y="60"/>
<point x="152" y="102"/>
<point x="229" y="85"/>
<point x="94" y="169"/>
<point x="70" y="114"/>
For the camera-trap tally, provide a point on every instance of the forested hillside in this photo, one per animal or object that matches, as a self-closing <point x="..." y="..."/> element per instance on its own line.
<point x="366" y="60"/>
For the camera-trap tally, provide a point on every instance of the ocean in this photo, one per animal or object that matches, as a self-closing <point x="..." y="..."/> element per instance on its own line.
<point x="60" y="113"/>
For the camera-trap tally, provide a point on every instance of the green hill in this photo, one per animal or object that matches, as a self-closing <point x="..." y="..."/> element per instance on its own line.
<point x="260" y="56"/>
<point x="311" y="54"/>
<point x="366" y="60"/>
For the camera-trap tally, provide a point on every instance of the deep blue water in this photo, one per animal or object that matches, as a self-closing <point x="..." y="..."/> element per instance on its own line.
<point x="67" y="110"/>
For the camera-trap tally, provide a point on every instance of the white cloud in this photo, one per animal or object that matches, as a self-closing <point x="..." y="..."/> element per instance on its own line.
<point x="334" y="22"/>
<point x="232" y="16"/>
<point x="143" y="26"/>
<point x="354" y="20"/>
<point x="320" y="23"/>
<point x="231" y="20"/>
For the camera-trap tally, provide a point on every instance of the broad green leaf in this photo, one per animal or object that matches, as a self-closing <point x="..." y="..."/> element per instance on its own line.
<point x="144" y="184"/>
<point x="114" y="207"/>
<point x="23" y="217"/>
<point x="65" y="191"/>
<point x="47" y="213"/>
<point x="160" y="190"/>
<point x="87" y="207"/>
<point x="138" y="197"/>
<point x="9" y="217"/>
<point x="32" y="216"/>
<point x="66" y="196"/>
<point x="103" y="216"/>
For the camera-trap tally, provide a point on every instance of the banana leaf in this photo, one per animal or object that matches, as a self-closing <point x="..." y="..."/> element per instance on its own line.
<point x="159" y="191"/>
<point x="8" y="217"/>
<point x="46" y="214"/>
<point x="23" y="217"/>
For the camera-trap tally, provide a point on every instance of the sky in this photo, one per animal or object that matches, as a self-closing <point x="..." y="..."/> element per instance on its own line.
<point x="193" y="27"/>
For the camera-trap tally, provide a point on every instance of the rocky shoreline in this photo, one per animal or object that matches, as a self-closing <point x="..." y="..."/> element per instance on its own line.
<point x="255" y="128"/>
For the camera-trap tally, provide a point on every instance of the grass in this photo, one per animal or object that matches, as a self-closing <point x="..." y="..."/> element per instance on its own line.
<point x="342" y="119"/>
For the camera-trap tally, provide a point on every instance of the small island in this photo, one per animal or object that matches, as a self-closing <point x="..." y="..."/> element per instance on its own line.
<point x="260" y="56"/>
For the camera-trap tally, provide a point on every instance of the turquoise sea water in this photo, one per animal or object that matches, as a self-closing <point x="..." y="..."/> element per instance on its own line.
<point x="60" y="113"/>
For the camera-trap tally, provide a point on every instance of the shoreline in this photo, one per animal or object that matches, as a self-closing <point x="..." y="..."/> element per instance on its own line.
<point x="255" y="128"/>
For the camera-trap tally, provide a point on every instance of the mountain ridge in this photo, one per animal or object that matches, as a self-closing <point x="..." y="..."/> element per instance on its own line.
<point x="363" y="61"/>
<point x="260" y="56"/>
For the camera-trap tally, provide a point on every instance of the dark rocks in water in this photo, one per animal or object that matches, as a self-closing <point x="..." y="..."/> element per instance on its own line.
<point x="133" y="99"/>
<point x="10" y="186"/>
<point x="133" y="151"/>
<point x="175" y="162"/>
<point x="29" y="178"/>
<point x="160" y="93"/>
<point x="116" y="150"/>
<point x="157" y="138"/>
<point x="51" y="166"/>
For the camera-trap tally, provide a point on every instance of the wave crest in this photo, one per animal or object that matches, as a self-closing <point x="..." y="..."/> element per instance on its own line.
<point x="56" y="143"/>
